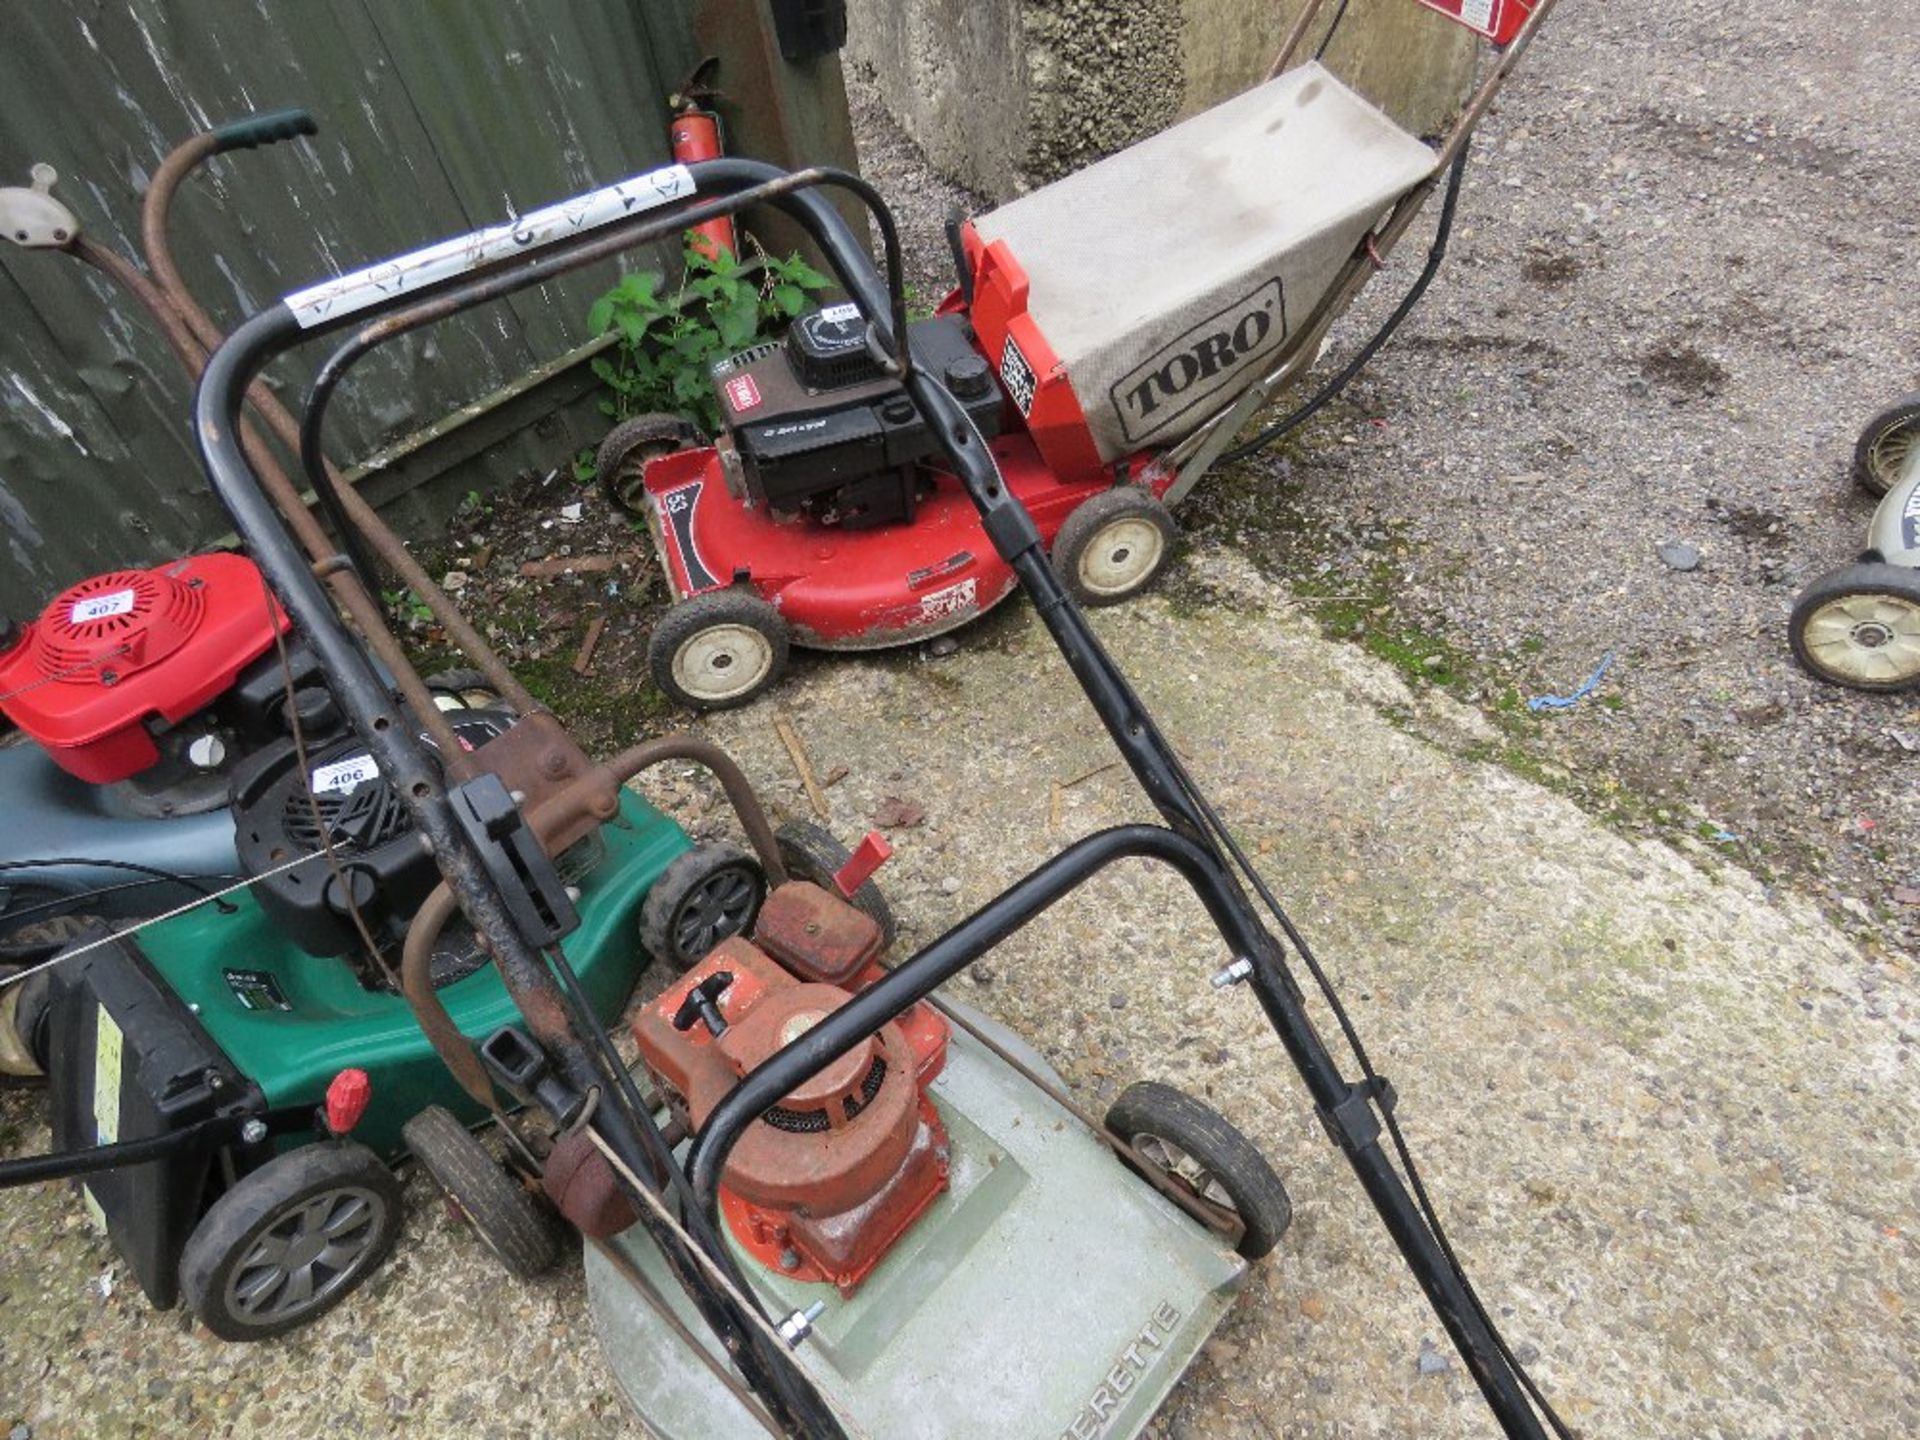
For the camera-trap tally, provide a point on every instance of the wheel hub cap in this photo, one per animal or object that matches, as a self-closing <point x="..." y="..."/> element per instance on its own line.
<point x="722" y="662"/>
<point x="305" y="1256"/>
<point x="1121" y="556"/>
<point x="1867" y="637"/>
<point x="716" y="909"/>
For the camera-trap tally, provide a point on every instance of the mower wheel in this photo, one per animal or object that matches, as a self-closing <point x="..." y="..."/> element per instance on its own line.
<point x="1885" y="446"/>
<point x="813" y="854"/>
<point x="1114" y="546"/>
<point x="1860" y="626"/>
<point x="291" y="1240"/>
<point x="718" y="649"/>
<point x="25" y="1004"/>
<point x="510" y="1221"/>
<point x="462" y="690"/>
<point x="622" y="457"/>
<point x="709" y="894"/>
<point x="1196" y="1147"/>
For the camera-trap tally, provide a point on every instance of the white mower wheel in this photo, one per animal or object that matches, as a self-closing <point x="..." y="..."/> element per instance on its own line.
<point x="1885" y="446"/>
<point x="1859" y="626"/>
<point x="622" y="458"/>
<point x="1114" y="546"/>
<point x="718" y="650"/>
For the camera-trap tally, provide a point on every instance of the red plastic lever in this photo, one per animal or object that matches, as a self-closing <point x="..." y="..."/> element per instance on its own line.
<point x="868" y="856"/>
<point x="347" y="1096"/>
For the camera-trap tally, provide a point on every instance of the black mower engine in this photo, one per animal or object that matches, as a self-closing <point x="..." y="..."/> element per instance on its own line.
<point x="814" y="426"/>
<point x="380" y="868"/>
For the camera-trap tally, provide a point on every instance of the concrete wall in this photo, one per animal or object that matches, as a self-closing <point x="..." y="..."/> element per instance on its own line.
<point x="1006" y="94"/>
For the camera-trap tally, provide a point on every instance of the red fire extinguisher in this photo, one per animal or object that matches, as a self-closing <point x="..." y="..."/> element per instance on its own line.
<point x="695" y="134"/>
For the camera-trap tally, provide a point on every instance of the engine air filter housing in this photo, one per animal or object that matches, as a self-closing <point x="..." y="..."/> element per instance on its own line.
<point x="122" y="656"/>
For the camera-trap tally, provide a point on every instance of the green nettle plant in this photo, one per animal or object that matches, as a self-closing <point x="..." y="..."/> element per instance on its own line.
<point x="667" y="342"/>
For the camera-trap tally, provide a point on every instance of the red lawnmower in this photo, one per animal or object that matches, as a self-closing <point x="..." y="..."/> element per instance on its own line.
<point x="1110" y="335"/>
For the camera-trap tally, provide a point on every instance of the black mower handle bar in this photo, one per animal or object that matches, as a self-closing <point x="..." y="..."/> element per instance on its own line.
<point x="269" y="127"/>
<point x="409" y="290"/>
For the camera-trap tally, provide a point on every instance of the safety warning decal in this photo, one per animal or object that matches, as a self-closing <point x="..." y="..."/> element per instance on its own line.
<point x="953" y="600"/>
<point x="1017" y="375"/>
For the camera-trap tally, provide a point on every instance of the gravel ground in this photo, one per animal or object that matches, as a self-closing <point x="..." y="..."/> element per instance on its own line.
<point x="1673" y="296"/>
<point x="1665" y="1102"/>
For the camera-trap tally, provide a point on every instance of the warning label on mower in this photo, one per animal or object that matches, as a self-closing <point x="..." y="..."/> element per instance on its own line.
<point x="344" y="775"/>
<point x="101" y="607"/>
<point x="1017" y="375"/>
<point x="954" y="600"/>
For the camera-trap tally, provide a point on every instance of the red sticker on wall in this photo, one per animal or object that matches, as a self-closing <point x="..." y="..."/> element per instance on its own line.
<point x="742" y="394"/>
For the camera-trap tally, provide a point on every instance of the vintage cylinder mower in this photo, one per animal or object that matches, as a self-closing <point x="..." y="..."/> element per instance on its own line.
<point x="829" y="1203"/>
<point x="1109" y="335"/>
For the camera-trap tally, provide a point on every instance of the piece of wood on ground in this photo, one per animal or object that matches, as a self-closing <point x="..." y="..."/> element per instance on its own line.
<point x="790" y="738"/>
<point x="583" y="662"/>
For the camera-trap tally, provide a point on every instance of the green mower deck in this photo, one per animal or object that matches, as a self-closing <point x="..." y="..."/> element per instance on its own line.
<point x="291" y="1021"/>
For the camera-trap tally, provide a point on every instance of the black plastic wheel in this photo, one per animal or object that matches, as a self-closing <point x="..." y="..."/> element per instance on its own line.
<point x="718" y="649"/>
<point x="463" y="689"/>
<point x="621" y="460"/>
<point x="1860" y="626"/>
<point x="291" y="1240"/>
<point x="521" y="1232"/>
<point x="1114" y="546"/>
<point x="1886" y="444"/>
<point x="813" y="854"/>
<point x="703" y="897"/>
<point x="1194" y="1145"/>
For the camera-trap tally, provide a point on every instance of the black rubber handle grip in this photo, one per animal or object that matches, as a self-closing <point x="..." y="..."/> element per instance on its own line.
<point x="267" y="129"/>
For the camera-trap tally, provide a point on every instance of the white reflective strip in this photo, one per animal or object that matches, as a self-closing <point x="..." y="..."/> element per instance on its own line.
<point x="415" y="271"/>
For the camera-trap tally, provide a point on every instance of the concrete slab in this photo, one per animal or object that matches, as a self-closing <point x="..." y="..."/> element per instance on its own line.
<point x="1677" y="1153"/>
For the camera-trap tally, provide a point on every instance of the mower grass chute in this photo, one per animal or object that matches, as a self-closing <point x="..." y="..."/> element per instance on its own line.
<point x="1109" y="334"/>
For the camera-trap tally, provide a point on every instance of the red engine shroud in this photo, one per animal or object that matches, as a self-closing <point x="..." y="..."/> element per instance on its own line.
<point x="821" y="1186"/>
<point x="118" y="656"/>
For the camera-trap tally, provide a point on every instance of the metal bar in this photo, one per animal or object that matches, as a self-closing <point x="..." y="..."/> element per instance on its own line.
<point x="410" y="767"/>
<point x="1294" y="36"/>
<point x="1470" y="117"/>
<point x="1187" y="843"/>
<point x="65" y="1164"/>
<point x="187" y="312"/>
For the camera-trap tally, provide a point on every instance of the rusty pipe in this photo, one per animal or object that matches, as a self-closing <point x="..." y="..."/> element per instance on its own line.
<point x="154" y="212"/>
<point x="1298" y="33"/>
<point x="595" y="796"/>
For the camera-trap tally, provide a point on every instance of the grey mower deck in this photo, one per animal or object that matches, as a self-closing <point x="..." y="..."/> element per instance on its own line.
<point x="1049" y="1292"/>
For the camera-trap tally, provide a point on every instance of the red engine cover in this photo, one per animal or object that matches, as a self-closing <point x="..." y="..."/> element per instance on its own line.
<point x="822" y="1185"/>
<point x="124" y="651"/>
